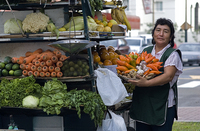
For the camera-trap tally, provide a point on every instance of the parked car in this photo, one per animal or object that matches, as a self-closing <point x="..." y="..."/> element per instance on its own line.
<point x="147" y="38"/>
<point x="136" y="44"/>
<point x="118" y="44"/>
<point x="190" y="53"/>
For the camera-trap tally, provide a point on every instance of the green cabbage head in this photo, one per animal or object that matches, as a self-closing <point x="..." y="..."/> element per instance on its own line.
<point x="30" y="101"/>
<point x="11" y="26"/>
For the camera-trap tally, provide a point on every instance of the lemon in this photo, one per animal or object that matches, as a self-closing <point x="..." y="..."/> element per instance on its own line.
<point x="62" y="29"/>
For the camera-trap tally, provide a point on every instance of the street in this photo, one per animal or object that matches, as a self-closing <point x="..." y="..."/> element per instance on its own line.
<point x="189" y="87"/>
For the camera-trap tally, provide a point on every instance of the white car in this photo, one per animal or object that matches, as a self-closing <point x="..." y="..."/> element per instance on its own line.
<point x="136" y="44"/>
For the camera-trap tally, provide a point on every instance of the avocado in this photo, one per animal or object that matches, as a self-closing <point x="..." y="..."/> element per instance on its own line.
<point x="4" y="72"/>
<point x="7" y="59"/>
<point x="18" y="72"/>
<point x="15" y="66"/>
<point x="2" y="65"/>
<point x="9" y="66"/>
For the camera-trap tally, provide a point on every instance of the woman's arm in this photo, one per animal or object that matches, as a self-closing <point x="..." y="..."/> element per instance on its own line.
<point x="166" y="77"/>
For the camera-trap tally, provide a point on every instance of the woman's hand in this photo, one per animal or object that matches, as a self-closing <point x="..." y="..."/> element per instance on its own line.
<point x="141" y="81"/>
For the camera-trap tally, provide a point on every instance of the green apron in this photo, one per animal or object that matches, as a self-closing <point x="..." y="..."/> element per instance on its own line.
<point x="149" y="104"/>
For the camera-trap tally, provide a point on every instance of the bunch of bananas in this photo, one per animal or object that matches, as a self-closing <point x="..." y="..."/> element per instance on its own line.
<point x="119" y="15"/>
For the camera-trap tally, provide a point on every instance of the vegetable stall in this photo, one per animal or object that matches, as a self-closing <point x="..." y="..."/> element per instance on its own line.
<point x="47" y="67"/>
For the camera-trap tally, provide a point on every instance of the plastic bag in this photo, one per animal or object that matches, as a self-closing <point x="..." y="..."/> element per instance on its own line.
<point x="113" y="122"/>
<point x="110" y="87"/>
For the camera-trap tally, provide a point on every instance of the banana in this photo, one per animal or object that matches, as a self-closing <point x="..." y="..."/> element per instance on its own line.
<point x="113" y="15"/>
<point x="125" y="19"/>
<point x="119" y="15"/>
<point x="109" y="3"/>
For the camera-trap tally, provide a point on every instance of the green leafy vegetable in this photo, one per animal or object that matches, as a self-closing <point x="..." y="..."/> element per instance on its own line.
<point x="11" y="26"/>
<point x="30" y="101"/>
<point x="12" y="92"/>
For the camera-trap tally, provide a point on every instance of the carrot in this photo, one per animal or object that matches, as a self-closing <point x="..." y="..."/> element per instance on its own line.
<point x="63" y="58"/>
<point x="36" y="73"/>
<point x="127" y="56"/>
<point x="149" y="59"/>
<point x="22" y="66"/>
<point x="30" y="73"/>
<point x="45" y="69"/>
<point x="28" y="67"/>
<point x="51" y="68"/>
<point x="57" y="69"/>
<point x="121" y="63"/>
<point x="46" y="56"/>
<point x="54" y="59"/>
<point x="42" y="63"/>
<point x="122" y="68"/>
<point x="29" y="58"/>
<point x="59" y="74"/>
<point x="34" y="60"/>
<point x="155" y="60"/>
<point x="142" y="57"/>
<point x="37" y="63"/>
<point x="47" y="74"/>
<point x="59" y="64"/>
<point x="42" y="74"/>
<point x="20" y="59"/>
<point x="33" y="68"/>
<point x="28" y="53"/>
<point x="57" y="53"/>
<point x="147" y="56"/>
<point x="25" y="72"/>
<point x="138" y="60"/>
<point x="30" y="64"/>
<point x="122" y="58"/>
<point x="129" y="66"/>
<point x="49" y="62"/>
<point x="37" y="51"/>
<point x="146" y="72"/>
<point x="14" y="59"/>
<point x="39" y="68"/>
<point x="130" y="70"/>
<point x="159" y="63"/>
<point x="155" y="72"/>
<point x="53" y="74"/>
<point x="153" y="67"/>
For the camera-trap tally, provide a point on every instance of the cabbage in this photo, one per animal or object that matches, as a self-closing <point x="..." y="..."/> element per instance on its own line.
<point x="11" y="26"/>
<point x="30" y="101"/>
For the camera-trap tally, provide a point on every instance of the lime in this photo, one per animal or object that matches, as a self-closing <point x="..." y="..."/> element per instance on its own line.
<point x="135" y="56"/>
<point x="11" y="72"/>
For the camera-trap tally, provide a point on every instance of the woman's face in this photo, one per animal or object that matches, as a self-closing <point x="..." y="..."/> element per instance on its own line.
<point x="162" y="35"/>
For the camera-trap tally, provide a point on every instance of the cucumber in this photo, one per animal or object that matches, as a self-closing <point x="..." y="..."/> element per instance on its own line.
<point x="18" y="72"/>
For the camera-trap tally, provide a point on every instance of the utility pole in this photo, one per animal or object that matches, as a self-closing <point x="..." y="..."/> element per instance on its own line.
<point x="185" y="20"/>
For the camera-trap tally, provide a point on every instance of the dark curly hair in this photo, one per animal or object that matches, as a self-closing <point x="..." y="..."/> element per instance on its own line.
<point x="168" y="22"/>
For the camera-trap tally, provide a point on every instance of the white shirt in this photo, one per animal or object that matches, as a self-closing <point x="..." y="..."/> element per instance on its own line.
<point x="173" y="60"/>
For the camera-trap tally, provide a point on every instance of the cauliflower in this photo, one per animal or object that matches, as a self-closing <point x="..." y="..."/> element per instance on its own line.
<point x="35" y="22"/>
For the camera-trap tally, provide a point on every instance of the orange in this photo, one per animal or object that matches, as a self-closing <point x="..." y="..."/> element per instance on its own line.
<point x="112" y="55"/>
<point x="111" y="47"/>
<point x="96" y="58"/>
<point x="95" y="53"/>
<point x="100" y="63"/>
<point x="114" y="61"/>
<point x="103" y="50"/>
<point x="111" y="50"/>
<point x="105" y="56"/>
<point x="107" y="62"/>
<point x="116" y="55"/>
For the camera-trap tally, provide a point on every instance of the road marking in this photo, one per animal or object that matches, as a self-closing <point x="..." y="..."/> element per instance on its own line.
<point x="195" y="76"/>
<point x="190" y="68"/>
<point x="191" y="84"/>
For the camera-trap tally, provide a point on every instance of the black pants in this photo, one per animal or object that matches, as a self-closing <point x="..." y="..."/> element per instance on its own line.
<point x="166" y="127"/>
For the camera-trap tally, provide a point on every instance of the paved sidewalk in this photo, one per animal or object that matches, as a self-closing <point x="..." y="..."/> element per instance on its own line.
<point x="189" y="114"/>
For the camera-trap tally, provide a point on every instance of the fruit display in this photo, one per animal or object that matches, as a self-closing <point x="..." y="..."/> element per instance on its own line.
<point x="134" y="64"/>
<point x="41" y="63"/>
<point x="106" y="56"/>
<point x="74" y="67"/>
<point x="119" y="15"/>
<point x="8" y="68"/>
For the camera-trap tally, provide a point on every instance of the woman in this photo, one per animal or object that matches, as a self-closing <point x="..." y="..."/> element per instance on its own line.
<point x="154" y="101"/>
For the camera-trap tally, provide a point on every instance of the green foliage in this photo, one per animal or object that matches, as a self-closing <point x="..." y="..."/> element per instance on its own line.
<point x="96" y="5"/>
<point x="186" y="126"/>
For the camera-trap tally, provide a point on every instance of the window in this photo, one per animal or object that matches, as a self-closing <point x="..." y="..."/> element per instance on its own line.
<point x="159" y="5"/>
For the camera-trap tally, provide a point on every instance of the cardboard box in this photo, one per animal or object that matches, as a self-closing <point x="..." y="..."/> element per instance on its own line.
<point x="118" y="29"/>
